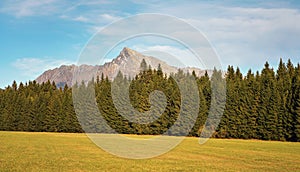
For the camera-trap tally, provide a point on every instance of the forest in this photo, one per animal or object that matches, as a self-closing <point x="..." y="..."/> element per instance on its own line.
<point x="261" y="105"/>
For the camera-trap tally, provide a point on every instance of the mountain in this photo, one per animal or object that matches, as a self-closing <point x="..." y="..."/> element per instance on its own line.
<point x="128" y="62"/>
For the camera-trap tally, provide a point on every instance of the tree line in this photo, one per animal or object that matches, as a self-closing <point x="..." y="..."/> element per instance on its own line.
<point x="263" y="105"/>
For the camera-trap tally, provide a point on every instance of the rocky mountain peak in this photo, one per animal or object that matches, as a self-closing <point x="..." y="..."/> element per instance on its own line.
<point x="128" y="53"/>
<point x="128" y="62"/>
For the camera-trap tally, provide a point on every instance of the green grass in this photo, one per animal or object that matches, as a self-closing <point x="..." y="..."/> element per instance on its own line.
<point x="20" y="151"/>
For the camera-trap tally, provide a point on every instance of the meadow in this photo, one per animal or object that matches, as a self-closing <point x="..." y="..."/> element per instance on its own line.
<point x="25" y="151"/>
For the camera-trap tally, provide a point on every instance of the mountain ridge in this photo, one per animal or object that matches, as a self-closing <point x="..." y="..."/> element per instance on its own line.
<point x="128" y="62"/>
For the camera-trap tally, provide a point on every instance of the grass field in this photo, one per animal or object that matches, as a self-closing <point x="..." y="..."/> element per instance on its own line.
<point x="20" y="151"/>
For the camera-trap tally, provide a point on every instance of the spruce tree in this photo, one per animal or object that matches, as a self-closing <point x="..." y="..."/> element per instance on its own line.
<point x="143" y="65"/>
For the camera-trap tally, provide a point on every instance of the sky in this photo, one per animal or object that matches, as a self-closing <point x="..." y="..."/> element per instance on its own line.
<point x="39" y="35"/>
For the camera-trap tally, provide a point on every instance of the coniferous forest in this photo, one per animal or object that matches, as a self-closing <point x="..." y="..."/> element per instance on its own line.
<point x="263" y="105"/>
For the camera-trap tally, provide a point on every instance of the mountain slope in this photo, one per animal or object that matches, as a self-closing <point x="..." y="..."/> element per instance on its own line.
<point x="128" y="62"/>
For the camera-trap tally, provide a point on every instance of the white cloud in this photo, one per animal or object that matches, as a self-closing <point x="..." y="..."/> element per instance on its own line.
<point x="247" y="37"/>
<point x="109" y="18"/>
<point x="95" y="29"/>
<point x="33" y="67"/>
<point x="243" y="35"/>
<point x="94" y="21"/>
<point x="81" y="19"/>
<point x="23" y="8"/>
<point x="100" y="19"/>
<point x="175" y="56"/>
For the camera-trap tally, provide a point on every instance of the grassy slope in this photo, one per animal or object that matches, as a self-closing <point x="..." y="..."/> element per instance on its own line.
<point x="75" y="152"/>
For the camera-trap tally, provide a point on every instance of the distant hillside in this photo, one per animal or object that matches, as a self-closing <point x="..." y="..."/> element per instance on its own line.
<point x="128" y="62"/>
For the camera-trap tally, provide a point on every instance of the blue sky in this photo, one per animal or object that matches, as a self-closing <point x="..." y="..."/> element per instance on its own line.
<point x="40" y="35"/>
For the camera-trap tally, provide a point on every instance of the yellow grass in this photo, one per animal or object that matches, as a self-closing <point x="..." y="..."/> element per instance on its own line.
<point x="22" y="151"/>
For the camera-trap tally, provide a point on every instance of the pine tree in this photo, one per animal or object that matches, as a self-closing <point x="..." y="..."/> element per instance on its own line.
<point x="143" y="66"/>
<point x="252" y="104"/>
<point x="295" y="106"/>
<point x="227" y="124"/>
<point x="267" y="119"/>
<point x="297" y="121"/>
<point x="203" y="108"/>
<point x="159" y="70"/>
<point x="283" y="87"/>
